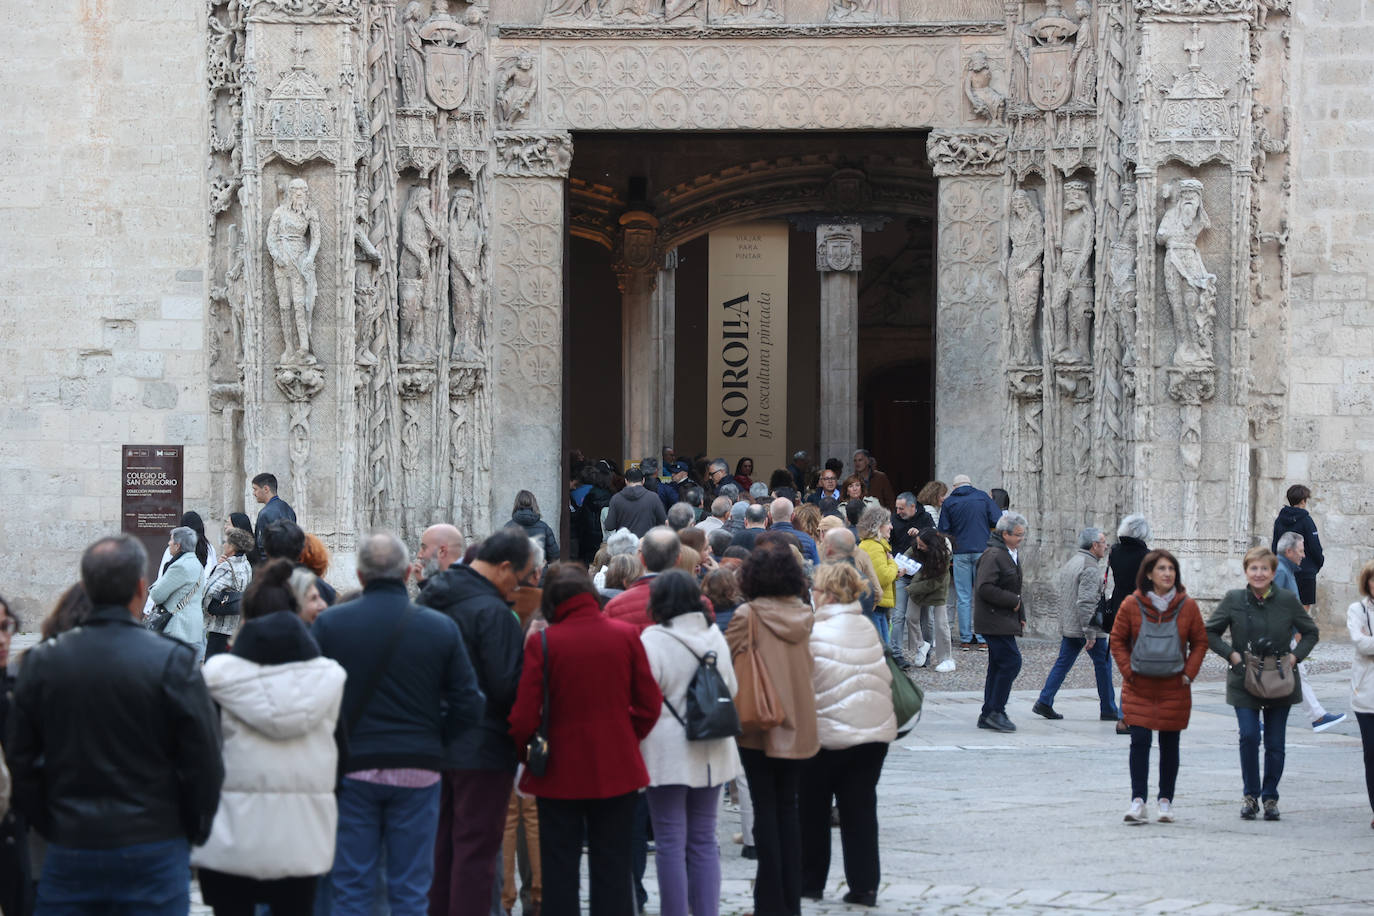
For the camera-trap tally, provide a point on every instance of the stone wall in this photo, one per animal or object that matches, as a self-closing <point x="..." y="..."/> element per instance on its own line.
<point x="102" y="252"/>
<point x="1330" y="439"/>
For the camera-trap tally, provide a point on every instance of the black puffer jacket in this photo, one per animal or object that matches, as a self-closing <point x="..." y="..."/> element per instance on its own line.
<point x="537" y="529"/>
<point x="495" y="644"/>
<point x="114" y="740"/>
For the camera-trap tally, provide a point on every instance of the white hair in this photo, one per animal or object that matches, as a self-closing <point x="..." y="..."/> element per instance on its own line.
<point x="1134" y="526"/>
<point x="622" y="541"/>
<point x="1010" y="521"/>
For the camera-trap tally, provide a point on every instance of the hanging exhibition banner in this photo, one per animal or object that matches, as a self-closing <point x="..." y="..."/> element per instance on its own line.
<point x="151" y="488"/>
<point x="746" y="346"/>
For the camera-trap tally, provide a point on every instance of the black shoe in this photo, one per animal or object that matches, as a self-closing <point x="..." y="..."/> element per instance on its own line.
<point x="998" y="722"/>
<point x="865" y="898"/>
<point x="749" y="852"/>
<point x="1271" y="809"/>
<point x="1249" y="808"/>
<point x="983" y="721"/>
<point x="1046" y="710"/>
<point x="811" y="894"/>
<point x="1122" y="728"/>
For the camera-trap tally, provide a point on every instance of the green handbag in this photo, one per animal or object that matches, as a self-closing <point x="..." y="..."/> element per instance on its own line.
<point x="907" y="696"/>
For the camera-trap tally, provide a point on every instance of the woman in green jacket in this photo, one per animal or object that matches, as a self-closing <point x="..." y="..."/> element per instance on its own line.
<point x="1261" y="619"/>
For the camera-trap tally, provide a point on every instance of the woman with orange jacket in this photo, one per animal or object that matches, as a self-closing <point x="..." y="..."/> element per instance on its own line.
<point x="1159" y="703"/>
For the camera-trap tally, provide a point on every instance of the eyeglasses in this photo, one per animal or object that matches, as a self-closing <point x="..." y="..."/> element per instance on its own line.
<point x="827" y="478"/>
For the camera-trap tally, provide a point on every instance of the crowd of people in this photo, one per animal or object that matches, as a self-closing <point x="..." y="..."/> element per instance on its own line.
<point x="448" y="737"/>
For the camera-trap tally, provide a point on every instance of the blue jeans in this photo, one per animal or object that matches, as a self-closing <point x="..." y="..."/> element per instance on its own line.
<point x="1004" y="663"/>
<point x="403" y="821"/>
<point x="965" y="565"/>
<point x="1069" y="647"/>
<point x="879" y="617"/>
<point x="1275" y="724"/>
<point x="897" y="637"/>
<point x="150" y="879"/>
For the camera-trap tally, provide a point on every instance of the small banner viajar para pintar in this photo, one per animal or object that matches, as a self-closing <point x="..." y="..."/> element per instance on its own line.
<point x="746" y="343"/>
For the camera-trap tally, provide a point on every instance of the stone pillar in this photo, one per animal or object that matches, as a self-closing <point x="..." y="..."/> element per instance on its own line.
<point x="526" y="331"/>
<point x="838" y="259"/>
<point x="665" y="339"/>
<point x="636" y="269"/>
<point x="970" y="302"/>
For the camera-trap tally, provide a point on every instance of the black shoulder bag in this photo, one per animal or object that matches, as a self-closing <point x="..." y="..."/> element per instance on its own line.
<point x="374" y="678"/>
<point x="537" y="750"/>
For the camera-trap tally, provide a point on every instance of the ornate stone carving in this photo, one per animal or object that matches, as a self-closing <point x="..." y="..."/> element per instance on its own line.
<point x="293" y="240"/>
<point x="516" y="87"/>
<point x="861" y="11"/>
<point x="297" y="120"/>
<point x="450" y="50"/>
<point x="1075" y="382"/>
<point x="302" y="9"/>
<point x="1191" y="386"/>
<point x="1191" y="290"/>
<point x="466" y="244"/>
<point x="1047" y="48"/>
<point x="839" y="248"/>
<point x="1084" y="59"/>
<point x="230" y="302"/>
<point x="410" y="63"/>
<point x="1121" y="272"/>
<point x="1025" y="385"/>
<point x="1071" y="303"/>
<point x="1198" y="7"/>
<point x="1194" y="121"/>
<point x="546" y="154"/>
<point x="728" y="31"/>
<point x="743" y="10"/>
<point x="1027" y="267"/>
<point x="973" y="153"/>
<point x="988" y="103"/>
<point x="420" y="234"/>
<point x="300" y="384"/>
<point x="527" y="323"/>
<point x="637" y="254"/>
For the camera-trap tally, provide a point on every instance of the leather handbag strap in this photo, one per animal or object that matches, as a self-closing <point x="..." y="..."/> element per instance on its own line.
<point x="374" y="678"/>
<point x="544" y="710"/>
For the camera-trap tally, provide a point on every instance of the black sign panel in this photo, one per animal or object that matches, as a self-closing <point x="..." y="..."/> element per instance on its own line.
<point x="151" y="486"/>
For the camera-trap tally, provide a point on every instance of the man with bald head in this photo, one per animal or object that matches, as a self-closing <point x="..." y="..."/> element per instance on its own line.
<point x="781" y="513"/>
<point x="658" y="550"/>
<point x="440" y="547"/>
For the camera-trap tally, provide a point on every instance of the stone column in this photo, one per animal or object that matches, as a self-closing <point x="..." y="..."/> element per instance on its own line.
<point x="526" y="332"/>
<point x="838" y="259"/>
<point x="971" y="295"/>
<point x="665" y="344"/>
<point x="636" y="269"/>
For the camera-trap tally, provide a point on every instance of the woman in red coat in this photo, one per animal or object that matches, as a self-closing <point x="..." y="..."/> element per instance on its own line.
<point x="603" y="700"/>
<point x="1161" y="704"/>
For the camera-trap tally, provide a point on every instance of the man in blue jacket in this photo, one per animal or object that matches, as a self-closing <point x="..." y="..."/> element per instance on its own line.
<point x="967" y="516"/>
<point x="410" y="691"/>
<point x="273" y="506"/>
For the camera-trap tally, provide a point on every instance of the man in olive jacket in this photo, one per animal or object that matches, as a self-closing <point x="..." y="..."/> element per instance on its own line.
<point x="115" y="750"/>
<point x="998" y="614"/>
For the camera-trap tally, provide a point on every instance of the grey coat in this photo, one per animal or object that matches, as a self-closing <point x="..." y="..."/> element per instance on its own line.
<point x="182" y="584"/>
<point x="1079" y="584"/>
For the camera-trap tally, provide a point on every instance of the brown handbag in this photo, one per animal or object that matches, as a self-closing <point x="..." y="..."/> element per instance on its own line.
<point x="1268" y="677"/>
<point x="757" y="701"/>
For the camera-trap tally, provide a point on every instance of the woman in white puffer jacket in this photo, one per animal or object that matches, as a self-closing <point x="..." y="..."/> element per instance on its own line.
<point x="1359" y="620"/>
<point x="856" y="723"/>
<point x="279" y="700"/>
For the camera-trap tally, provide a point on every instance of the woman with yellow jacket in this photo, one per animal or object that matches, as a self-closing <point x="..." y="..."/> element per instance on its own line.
<point x="875" y="526"/>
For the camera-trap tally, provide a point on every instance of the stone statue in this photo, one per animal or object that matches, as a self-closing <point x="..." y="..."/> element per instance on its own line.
<point x="1191" y="290"/>
<point x="411" y="63"/>
<point x="516" y="90"/>
<point x="732" y="10"/>
<point x="464" y="274"/>
<point x="860" y="11"/>
<point x="419" y="235"/>
<point x="987" y="102"/>
<point x="1027" y="268"/>
<point x="1072" y="289"/>
<point x="1122" y="270"/>
<point x="293" y="267"/>
<point x="573" y="9"/>
<point x="1084" y="58"/>
<point x="366" y="257"/>
<point x="1262" y="143"/>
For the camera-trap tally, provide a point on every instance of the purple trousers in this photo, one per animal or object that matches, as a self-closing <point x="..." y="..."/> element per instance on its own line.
<point x="472" y="821"/>
<point x="687" y="859"/>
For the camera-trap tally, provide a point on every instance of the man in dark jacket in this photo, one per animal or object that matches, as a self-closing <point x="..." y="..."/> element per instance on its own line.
<point x="781" y="512"/>
<point x="967" y="516"/>
<point x="1295" y="517"/>
<point x="827" y="498"/>
<point x="1000" y="616"/>
<point x="114" y="750"/>
<point x="635" y="507"/>
<point x="273" y="506"/>
<point x="479" y="763"/>
<point x="410" y="691"/>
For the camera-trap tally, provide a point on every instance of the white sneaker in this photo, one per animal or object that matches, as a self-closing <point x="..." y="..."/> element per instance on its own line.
<point x="922" y="654"/>
<point x="946" y="666"/>
<point x="1136" y="813"/>
<point x="1166" y="811"/>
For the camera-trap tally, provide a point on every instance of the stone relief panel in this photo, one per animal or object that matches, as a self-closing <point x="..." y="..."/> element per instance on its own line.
<point x="801" y="84"/>
<point x="1024" y="273"/>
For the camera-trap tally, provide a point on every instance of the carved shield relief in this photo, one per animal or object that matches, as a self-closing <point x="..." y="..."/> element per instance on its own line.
<point x="446" y="75"/>
<point x="1051" y="82"/>
<point x="639" y="247"/>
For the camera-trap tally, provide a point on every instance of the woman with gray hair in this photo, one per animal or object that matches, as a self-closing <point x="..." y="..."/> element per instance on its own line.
<point x="1000" y="617"/>
<point x="231" y="575"/>
<point x="179" y="588"/>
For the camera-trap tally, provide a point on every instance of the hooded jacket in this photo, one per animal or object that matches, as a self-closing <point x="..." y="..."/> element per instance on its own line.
<point x="852" y="682"/>
<point x="539" y="530"/>
<point x="636" y="508"/>
<point x="1294" y="518"/>
<point x="277" y="814"/>
<point x="784" y="631"/>
<point x="672" y="650"/>
<point x="495" y="645"/>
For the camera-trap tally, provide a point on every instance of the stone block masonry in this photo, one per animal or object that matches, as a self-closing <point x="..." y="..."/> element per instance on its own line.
<point x="102" y="264"/>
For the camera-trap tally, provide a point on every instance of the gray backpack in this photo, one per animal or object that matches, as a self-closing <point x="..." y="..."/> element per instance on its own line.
<point x="1157" y="652"/>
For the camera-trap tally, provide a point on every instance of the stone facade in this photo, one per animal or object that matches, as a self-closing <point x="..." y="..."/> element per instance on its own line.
<point x="1150" y="289"/>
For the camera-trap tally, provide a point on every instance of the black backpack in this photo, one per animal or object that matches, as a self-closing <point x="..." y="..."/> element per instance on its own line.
<point x="710" y="711"/>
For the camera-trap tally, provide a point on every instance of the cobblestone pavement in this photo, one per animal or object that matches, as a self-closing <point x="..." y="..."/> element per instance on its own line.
<point x="977" y="822"/>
